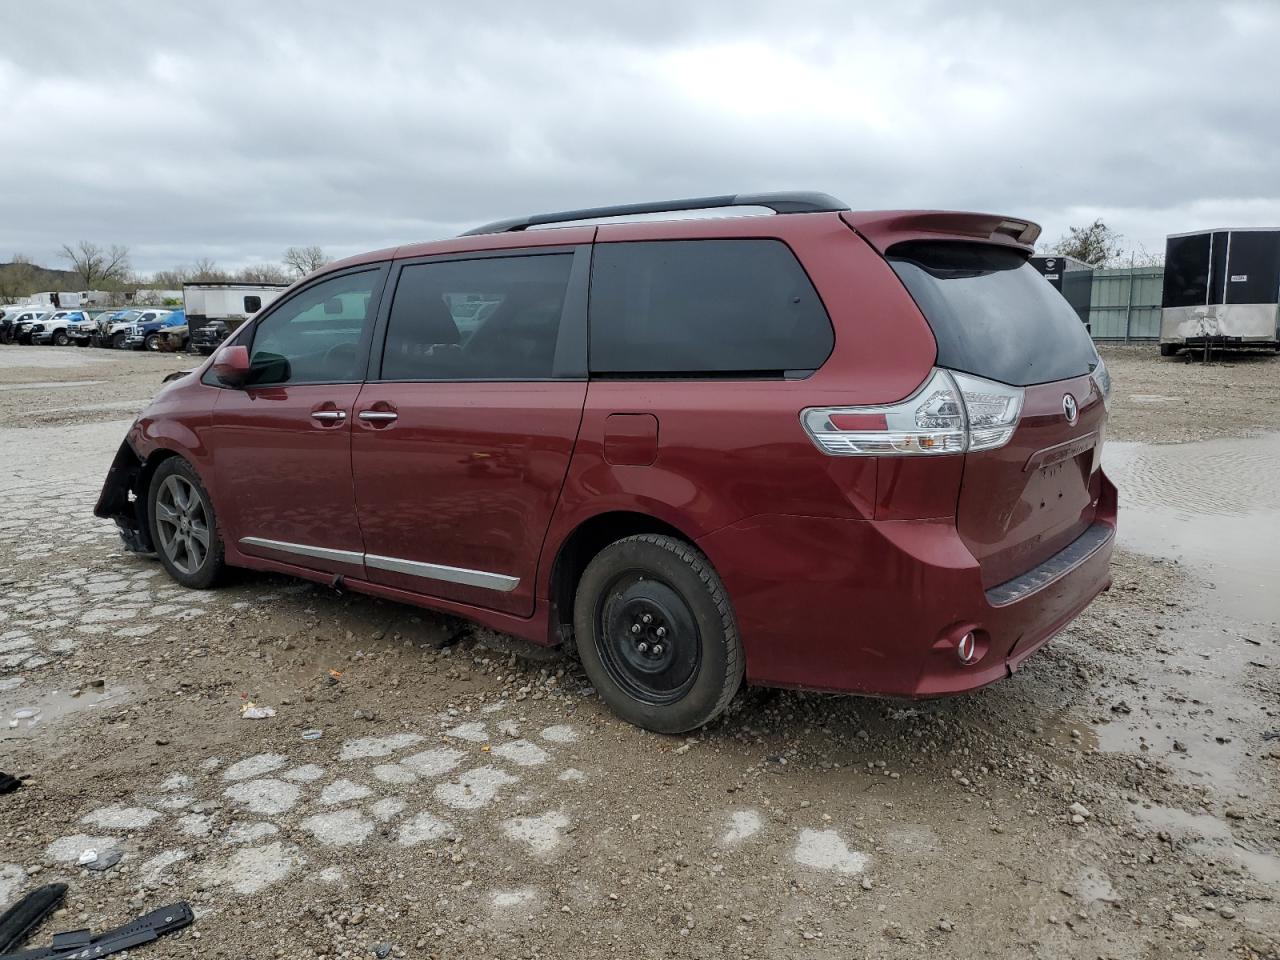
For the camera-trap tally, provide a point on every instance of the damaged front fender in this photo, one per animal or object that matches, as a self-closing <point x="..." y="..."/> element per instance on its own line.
<point x="122" y="500"/>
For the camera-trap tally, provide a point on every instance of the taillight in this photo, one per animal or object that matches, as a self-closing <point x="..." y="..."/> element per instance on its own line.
<point x="951" y="413"/>
<point x="1101" y="377"/>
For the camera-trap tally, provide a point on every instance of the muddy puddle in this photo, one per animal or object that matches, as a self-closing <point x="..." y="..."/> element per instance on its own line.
<point x="1211" y="837"/>
<point x="29" y="714"/>
<point x="1214" y="508"/>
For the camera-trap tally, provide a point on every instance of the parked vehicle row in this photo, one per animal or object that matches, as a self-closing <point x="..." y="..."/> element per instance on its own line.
<point x="149" y="329"/>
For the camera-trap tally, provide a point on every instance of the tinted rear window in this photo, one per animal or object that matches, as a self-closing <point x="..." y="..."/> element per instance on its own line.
<point x="993" y="314"/>
<point x="704" y="307"/>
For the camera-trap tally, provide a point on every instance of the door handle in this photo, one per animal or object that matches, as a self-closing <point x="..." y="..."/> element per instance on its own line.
<point x="378" y="416"/>
<point x="330" y="416"/>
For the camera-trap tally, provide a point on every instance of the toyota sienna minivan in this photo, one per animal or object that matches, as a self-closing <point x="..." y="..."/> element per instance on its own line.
<point x="814" y="448"/>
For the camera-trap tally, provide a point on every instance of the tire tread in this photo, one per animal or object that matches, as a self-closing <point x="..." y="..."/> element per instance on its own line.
<point x="698" y="564"/>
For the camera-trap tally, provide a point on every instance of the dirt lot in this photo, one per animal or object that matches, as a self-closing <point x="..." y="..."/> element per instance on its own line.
<point x="1173" y="400"/>
<point x="470" y="797"/>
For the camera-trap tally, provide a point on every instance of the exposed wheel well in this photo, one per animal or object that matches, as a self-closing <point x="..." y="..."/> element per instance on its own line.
<point x="143" y="486"/>
<point x="592" y="536"/>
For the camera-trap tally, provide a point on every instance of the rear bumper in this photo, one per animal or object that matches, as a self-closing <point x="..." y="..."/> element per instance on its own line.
<point x="879" y="607"/>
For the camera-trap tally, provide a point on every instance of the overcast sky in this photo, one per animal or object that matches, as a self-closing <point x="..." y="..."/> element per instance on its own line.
<point x="233" y="130"/>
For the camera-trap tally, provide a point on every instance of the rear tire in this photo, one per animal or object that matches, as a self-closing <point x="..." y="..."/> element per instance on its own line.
<point x="184" y="528"/>
<point x="656" y="633"/>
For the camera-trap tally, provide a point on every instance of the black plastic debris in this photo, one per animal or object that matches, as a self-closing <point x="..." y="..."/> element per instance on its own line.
<point x="19" y="920"/>
<point x="83" y="945"/>
<point x="9" y="783"/>
<point x="105" y="861"/>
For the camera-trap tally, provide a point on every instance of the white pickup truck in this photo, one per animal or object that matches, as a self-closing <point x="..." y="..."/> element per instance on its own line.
<point x="53" y="328"/>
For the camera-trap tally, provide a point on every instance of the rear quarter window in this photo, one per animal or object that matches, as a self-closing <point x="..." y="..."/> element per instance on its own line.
<point x="992" y="314"/>
<point x="704" y="308"/>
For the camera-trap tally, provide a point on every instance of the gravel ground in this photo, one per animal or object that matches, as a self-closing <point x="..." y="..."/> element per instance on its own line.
<point x="468" y="796"/>
<point x="1176" y="399"/>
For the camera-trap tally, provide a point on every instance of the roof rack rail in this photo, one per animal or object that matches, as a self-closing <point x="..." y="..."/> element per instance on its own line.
<point x="780" y="202"/>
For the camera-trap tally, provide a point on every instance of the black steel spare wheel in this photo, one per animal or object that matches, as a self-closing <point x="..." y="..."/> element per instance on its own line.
<point x="656" y="633"/>
<point x="648" y="638"/>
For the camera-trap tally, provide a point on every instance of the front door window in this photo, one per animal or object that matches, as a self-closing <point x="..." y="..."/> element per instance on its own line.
<point x="316" y="336"/>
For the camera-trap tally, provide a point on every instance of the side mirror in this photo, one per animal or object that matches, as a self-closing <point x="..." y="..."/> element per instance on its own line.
<point x="231" y="365"/>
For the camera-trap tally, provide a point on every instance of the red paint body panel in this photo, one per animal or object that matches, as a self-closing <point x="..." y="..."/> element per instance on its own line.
<point x="630" y="439"/>
<point x="283" y="475"/>
<point x="1014" y="514"/>
<point x="918" y="488"/>
<point x="845" y="573"/>
<point x="884" y="228"/>
<point x="533" y="628"/>
<point x="177" y="418"/>
<point x="847" y="605"/>
<point x="553" y="237"/>
<point x="468" y="476"/>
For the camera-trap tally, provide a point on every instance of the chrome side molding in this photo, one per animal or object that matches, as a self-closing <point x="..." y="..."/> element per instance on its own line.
<point x="438" y="571"/>
<point x="302" y="550"/>
<point x="413" y="568"/>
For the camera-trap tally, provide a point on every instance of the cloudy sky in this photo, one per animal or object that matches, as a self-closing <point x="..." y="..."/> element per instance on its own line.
<point x="233" y="130"/>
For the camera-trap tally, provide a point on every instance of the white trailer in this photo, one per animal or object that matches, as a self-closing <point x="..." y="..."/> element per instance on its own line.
<point x="232" y="303"/>
<point x="69" y="299"/>
<point x="1221" y="289"/>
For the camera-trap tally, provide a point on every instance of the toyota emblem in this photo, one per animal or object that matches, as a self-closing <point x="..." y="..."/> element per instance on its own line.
<point x="1070" y="409"/>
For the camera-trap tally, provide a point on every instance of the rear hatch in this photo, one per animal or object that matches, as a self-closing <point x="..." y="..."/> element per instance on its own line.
<point x="995" y="317"/>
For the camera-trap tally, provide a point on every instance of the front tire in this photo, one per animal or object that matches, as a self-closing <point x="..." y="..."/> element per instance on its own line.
<point x="656" y="633"/>
<point x="117" y="340"/>
<point x="152" y="342"/>
<point x="184" y="528"/>
<point x="60" y="338"/>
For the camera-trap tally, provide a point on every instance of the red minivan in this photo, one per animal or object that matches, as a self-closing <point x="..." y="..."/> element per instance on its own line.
<point x="812" y="448"/>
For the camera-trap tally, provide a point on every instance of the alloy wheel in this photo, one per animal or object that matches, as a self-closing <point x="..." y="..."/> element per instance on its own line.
<point x="182" y="522"/>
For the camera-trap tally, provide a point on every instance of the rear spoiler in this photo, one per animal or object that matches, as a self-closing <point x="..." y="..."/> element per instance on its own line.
<point x="884" y="228"/>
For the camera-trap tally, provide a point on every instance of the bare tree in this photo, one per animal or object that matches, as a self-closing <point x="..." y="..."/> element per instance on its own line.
<point x="1142" y="257"/>
<point x="263" y="273"/>
<point x="1096" y="244"/>
<point x="206" y="271"/>
<point x="304" y="260"/>
<point x="173" y="278"/>
<point x="96" y="265"/>
<point x="15" y="277"/>
<point x="22" y="269"/>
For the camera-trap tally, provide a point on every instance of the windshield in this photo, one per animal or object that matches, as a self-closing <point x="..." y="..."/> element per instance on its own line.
<point x="992" y="314"/>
